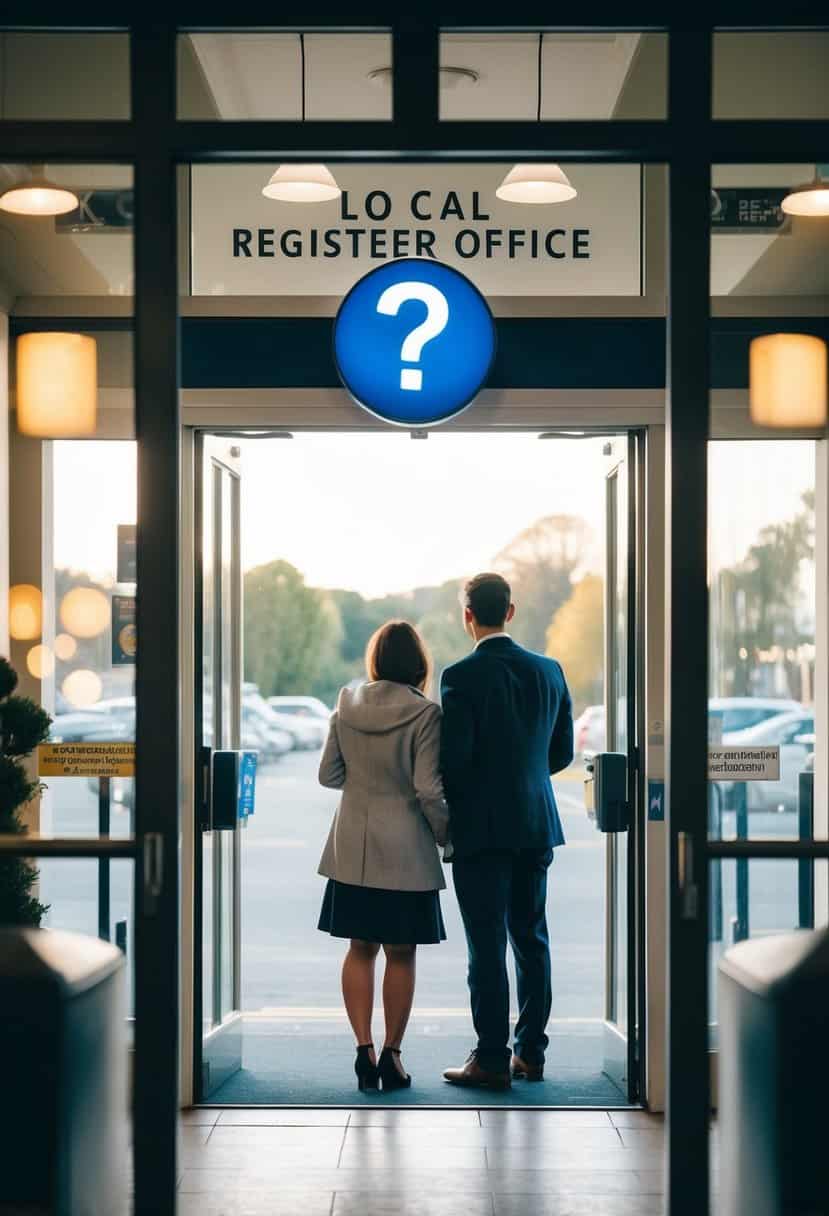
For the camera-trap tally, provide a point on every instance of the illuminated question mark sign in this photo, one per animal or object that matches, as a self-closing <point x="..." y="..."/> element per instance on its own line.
<point x="437" y="315"/>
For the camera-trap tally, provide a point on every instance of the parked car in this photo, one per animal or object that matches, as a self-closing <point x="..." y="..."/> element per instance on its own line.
<point x="589" y="731"/>
<point x="794" y="733"/>
<point x="260" y="734"/>
<point x="303" y="707"/>
<point x="307" y="715"/>
<point x="741" y="713"/>
<point x="91" y="725"/>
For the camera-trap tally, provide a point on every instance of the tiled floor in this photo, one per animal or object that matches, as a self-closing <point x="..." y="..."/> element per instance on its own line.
<point x="318" y="1162"/>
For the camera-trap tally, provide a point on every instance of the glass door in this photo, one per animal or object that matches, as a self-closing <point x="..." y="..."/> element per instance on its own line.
<point x="218" y="709"/>
<point x="621" y="1031"/>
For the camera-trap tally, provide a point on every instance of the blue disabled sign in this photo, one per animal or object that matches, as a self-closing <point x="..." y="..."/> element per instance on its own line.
<point x="414" y="341"/>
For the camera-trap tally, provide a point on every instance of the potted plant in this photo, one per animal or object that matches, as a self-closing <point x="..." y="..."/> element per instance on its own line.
<point x="23" y="725"/>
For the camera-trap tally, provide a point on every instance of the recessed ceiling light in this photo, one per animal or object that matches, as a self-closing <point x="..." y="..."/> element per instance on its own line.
<point x="809" y="200"/>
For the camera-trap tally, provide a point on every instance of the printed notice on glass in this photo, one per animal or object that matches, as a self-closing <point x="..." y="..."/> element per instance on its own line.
<point x="86" y="760"/>
<point x="744" y="764"/>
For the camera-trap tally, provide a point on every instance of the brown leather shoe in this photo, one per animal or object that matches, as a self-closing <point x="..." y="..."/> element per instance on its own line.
<point x="522" y="1071"/>
<point x="472" y="1076"/>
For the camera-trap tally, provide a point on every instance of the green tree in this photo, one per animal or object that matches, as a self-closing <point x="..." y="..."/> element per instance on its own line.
<point x="756" y="611"/>
<point x="576" y="638"/>
<point x="23" y="725"/>
<point x="539" y="564"/>
<point x="289" y="629"/>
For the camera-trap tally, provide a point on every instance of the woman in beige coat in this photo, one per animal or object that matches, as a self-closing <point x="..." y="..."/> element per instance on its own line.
<point x="381" y="858"/>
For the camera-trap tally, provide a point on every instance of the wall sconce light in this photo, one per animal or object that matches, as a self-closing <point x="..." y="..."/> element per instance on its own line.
<point x="57" y="385"/>
<point x="25" y="612"/>
<point x="787" y="381"/>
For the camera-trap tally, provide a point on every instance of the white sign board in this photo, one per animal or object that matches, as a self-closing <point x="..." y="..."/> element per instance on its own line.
<point x="744" y="764"/>
<point x="245" y="244"/>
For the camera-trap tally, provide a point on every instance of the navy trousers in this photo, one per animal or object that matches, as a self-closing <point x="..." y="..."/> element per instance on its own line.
<point x="502" y="895"/>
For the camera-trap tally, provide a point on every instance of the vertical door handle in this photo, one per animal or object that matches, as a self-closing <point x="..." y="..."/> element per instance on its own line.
<point x="153" y="870"/>
<point x="688" y="890"/>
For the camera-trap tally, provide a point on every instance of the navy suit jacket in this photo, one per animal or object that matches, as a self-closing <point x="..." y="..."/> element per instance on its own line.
<point x="507" y="726"/>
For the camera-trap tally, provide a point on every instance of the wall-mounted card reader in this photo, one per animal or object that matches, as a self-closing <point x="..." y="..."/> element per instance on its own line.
<point x="233" y="788"/>
<point x="605" y="791"/>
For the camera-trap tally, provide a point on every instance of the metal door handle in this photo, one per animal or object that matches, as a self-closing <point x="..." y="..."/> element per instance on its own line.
<point x="688" y="890"/>
<point x="153" y="870"/>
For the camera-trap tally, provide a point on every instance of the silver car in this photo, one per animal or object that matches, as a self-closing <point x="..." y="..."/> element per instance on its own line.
<point x="794" y="734"/>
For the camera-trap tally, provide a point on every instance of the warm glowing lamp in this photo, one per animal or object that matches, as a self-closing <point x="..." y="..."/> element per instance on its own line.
<point x="787" y="380"/>
<point x="57" y="385"/>
<point x="25" y="612"/>
<point x="38" y="197"/>
<point x="536" y="184"/>
<point x="302" y="184"/>
<point x="545" y="183"/>
<point x="809" y="200"/>
<point x="84" y="612"/>
<point x="82" y="688"/>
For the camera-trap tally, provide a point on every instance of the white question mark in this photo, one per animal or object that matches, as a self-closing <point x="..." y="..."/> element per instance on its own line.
<point x="437" y="314"/>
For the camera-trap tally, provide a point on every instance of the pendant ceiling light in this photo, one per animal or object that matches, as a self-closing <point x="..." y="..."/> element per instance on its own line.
<point x="302" y="183"/>
<point x="811" y="199"/>
<point x="536" y="183"/>
<point x="38" y="196"/>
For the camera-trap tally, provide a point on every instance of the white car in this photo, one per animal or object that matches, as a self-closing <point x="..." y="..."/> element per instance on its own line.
<point x="794" y="734"/>
<point x="309" y="713"/>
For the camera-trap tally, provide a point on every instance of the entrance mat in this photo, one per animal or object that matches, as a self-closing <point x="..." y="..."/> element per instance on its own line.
<point x="317" y="1070"/>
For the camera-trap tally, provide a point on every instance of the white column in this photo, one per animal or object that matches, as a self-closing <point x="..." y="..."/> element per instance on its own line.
<point x="821" y="673"/>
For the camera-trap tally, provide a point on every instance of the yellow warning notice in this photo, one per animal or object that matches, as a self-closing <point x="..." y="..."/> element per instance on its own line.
<point x="86" y="759"/>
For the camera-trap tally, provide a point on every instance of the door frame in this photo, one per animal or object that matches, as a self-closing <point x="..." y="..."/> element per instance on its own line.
<point x="296" y="420"/>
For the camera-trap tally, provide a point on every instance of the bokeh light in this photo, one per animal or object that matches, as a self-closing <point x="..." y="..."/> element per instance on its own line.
<point x="25" y="612"/>
<point x="84" y="612"/>
<point x="40" y="661"/>
<point x="65" y="647"/>
<point x="82" y="688"/>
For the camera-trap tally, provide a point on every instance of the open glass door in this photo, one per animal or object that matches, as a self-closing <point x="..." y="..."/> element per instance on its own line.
<point x="621" y="1031"/>
<point x="218" y="705"/>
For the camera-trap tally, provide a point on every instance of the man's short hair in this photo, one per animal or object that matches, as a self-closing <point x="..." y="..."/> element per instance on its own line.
<point x="488" y="597"/>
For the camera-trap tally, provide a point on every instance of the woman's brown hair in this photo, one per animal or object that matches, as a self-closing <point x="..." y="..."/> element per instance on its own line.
<point x="397" y="652"/>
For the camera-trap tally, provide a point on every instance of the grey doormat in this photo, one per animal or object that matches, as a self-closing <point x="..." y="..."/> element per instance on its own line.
<point x="317" y="1070"/>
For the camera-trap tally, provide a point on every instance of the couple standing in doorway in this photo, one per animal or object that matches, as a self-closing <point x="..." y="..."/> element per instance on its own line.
<point x="473" y="776"/>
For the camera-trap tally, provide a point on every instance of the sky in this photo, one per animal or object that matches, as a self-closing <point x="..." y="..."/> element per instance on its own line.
<point x="380" y="513"/>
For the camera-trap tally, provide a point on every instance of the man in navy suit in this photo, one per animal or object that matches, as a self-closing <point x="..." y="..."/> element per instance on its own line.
<point x="507" y="726"/>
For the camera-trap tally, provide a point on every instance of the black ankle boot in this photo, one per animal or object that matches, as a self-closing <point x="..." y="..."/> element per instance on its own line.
<point x="389" y="1072"/>
<point x="367" y="1073"/>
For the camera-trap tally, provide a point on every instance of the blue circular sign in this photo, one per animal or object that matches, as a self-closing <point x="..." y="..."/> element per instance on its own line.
<point x="414" y="341"/>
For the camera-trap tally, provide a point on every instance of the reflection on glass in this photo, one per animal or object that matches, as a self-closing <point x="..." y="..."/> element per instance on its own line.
<point x="771" y="74"/>
<point x="588" y="75"/>
<point x="762" y="630"/>
<point x="749" y="899"/>
<point x="79" y="75"/>
<point x="262" y="75"/>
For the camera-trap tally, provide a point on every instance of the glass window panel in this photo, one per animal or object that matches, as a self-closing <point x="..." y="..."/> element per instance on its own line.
<point x="756" y="249"/>
<point x="750" y="899"/>
<point x="589" y="75"/>
<point x="87" y="251"/>
<point x="771" y="74"/>
<point x="77" y="75"/>
<point x="289" y="76"/>
<point x="762" y="632"/>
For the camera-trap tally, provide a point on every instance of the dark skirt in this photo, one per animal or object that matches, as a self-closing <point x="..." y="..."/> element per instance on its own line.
<point x="372" y="914"/>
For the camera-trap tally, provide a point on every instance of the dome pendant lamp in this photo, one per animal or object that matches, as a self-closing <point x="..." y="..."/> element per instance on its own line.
<point x="38" y="197"/>
<point x="811" y="199"/>
<point x="536" y="183"/>
<point x="302" y="183"/>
